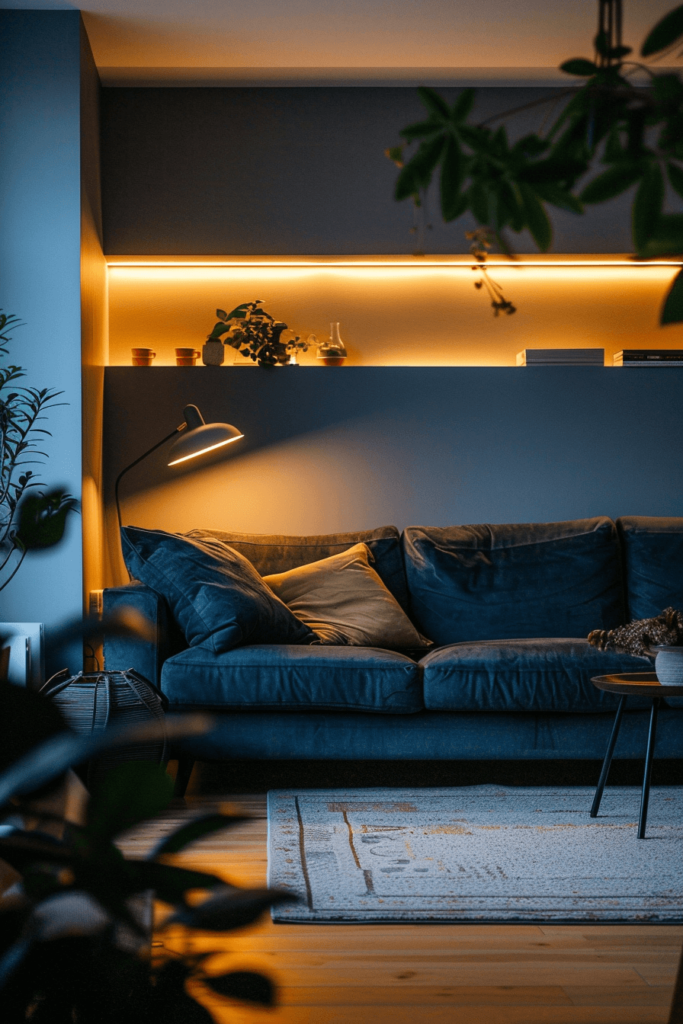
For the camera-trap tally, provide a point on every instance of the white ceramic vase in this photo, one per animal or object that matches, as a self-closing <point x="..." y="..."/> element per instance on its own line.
<point x="669" y="665"/>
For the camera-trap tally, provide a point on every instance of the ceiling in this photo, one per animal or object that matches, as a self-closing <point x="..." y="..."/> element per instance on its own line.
<point x="346" y="42"/>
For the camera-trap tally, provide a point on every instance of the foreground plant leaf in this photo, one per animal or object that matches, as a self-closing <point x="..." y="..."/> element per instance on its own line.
<point x="230" y="910"/>
<point x="52" y="758"/>
<point x="196" y="829"/>
<point x="129" y="793"/>
<point x="247" y="986"/>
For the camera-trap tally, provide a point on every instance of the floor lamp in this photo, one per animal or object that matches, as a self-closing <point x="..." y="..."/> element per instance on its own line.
<point x="193" y="437"/>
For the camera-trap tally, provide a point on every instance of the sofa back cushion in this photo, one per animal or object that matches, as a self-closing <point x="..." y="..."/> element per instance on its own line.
<point x="271" y="554"/>
<point x="514" y="581"/>
<point x="653" y="559"/>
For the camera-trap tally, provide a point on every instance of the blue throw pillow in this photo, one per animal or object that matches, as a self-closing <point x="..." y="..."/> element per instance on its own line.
<point x="214" y="593"/>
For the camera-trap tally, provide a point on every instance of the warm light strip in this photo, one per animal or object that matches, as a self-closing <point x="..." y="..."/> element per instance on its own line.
<point x="417" y="265"/>
<point x="205" y="450"/>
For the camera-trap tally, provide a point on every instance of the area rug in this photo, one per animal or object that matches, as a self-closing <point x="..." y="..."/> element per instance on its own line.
<point x="477" y="853"/>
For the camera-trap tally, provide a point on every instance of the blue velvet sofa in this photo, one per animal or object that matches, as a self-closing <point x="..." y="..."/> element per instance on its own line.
<point x="508" y="608"/>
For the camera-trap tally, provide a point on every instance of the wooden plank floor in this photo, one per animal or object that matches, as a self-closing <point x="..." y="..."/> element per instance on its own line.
<point x="403" y="974"/>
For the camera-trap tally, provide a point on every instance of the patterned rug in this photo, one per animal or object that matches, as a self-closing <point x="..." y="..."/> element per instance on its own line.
<point x="479" y="853"/>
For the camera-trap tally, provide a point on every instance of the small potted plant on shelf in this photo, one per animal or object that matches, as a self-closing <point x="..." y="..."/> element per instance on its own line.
<point x="254" y="333"/>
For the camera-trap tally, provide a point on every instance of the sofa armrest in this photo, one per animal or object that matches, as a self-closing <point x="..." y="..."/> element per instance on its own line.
<point x="146" y="657"/>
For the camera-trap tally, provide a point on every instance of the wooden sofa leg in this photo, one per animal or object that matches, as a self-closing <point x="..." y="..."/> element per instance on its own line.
<point x="185" y="766"/>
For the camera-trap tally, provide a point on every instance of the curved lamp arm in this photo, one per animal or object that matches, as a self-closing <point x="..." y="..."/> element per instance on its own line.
<point x="178" y="430"/>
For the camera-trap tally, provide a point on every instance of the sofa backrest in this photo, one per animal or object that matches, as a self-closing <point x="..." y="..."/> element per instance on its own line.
<point x="504" y="582"/>
<point x="653" y="561"/>
<point x="277" y="553"/>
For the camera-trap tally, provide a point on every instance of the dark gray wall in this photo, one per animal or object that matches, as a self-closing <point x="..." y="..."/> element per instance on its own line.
<point x="290" y="171"/>
<point x="403" y="445"/>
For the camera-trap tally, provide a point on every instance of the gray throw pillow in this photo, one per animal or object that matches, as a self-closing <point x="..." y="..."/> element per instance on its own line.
<point x="344" y="601"/>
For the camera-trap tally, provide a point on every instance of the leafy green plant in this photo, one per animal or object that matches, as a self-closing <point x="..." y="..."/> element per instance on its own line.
<point x="256" y="334"/>
<point x="74" y="945"/>
<point x="29" y="519"/>
<point x="634" y="135"/>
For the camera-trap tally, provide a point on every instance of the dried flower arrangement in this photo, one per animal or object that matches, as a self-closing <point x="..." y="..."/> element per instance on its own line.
<point x="665" y="630"/>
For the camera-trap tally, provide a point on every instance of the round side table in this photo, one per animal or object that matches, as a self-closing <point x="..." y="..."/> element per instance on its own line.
<point x="641" y="684"/>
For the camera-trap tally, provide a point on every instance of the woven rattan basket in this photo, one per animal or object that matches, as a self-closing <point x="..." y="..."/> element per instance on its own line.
<point x="90" y="701"/>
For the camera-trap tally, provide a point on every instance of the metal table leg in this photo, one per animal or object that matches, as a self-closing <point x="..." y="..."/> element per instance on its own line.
<point x="608" y="757"/>
<point x="651" y="738"/>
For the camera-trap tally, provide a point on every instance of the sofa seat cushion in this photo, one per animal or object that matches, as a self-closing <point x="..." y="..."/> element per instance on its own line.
<point x="523" y="675"/>
<point x="284" y="676"/>
<point x="514" y="581"/>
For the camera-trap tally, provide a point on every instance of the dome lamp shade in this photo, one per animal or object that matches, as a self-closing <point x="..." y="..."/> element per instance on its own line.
<point x="198" y="437"/>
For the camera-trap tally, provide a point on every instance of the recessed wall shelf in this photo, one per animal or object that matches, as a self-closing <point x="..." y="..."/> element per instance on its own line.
<point x="396" y="310"/>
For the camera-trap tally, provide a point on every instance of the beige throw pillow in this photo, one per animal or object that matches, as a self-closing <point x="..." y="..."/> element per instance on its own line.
<point x="344" y="601"/>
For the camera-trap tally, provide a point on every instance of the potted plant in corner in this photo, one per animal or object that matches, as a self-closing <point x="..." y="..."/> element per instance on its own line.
<point x="30" y="519"/>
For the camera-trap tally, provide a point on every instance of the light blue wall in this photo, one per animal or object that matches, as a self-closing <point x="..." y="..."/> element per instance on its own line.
<point x="40" y="269"/>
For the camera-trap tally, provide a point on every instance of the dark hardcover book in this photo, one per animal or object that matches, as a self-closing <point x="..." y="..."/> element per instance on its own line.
<point x="561" y="357"/>
<point x="636" y="356"/>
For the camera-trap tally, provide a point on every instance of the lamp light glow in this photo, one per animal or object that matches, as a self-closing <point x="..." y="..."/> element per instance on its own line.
<point x="209" y="448"/>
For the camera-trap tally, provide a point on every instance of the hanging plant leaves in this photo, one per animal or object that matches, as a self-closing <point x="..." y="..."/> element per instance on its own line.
<point x="479" y="202"/>
<point x="579" y="66"/>
<point x="667" y="238"/>
<point x="415" y="131"/>
<point x="418" y="171"/>
<point x="611" y="183"/>
<point x="647" y="206"/>
<point x="558" y="196"/>
<point x="675" y="174"/>
<point x="463" y="105"/>
<point x="665" y="33"/>
<point x="536" y="218"/>
<point x="434" y="103"/>
<point x="672" y="310"/>
<point x="452" y="174"/>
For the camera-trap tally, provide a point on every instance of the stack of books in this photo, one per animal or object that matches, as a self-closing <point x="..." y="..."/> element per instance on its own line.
<point x="649" y="357"/>
<point x="561" y="357"/>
